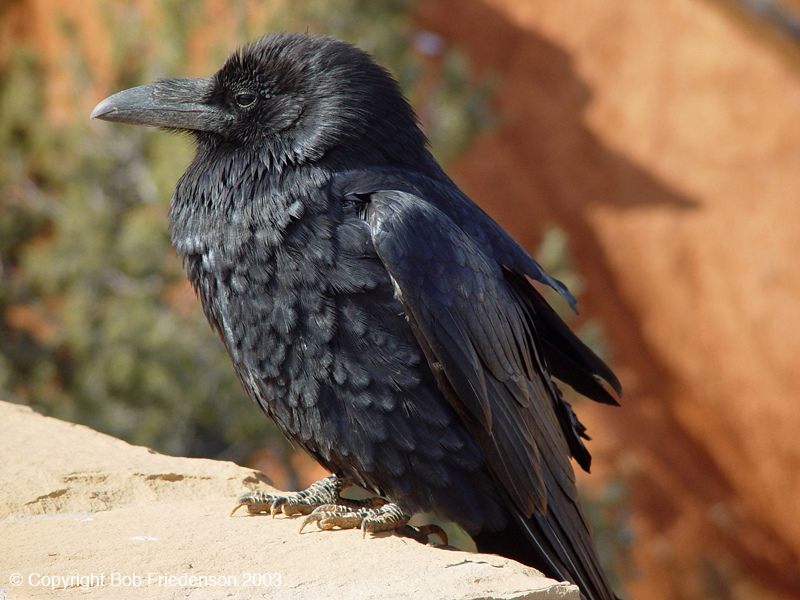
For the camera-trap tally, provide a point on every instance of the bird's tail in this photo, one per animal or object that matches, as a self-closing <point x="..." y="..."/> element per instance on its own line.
<point x="558" y="544"/>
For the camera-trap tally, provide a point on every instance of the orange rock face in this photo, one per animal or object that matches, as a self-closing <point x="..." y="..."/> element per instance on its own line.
<point x="664" y="136"/>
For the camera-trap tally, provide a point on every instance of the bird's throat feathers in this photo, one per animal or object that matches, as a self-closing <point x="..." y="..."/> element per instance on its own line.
<point x="219" y="201"/>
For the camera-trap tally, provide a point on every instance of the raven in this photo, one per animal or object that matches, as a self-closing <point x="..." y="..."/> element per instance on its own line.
<point x="384" y="322"/>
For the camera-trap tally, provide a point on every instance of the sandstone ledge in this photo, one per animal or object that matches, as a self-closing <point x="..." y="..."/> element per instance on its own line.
<point x="76" y="503"/>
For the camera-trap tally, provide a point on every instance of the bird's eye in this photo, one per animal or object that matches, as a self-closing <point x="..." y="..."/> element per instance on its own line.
<point x="245" y="99"/>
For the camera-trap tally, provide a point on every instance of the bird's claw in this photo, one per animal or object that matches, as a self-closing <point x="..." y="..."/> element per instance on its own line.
<point x="324" y="491"/>
<point x="329" y="516"/>
<point x="289" y="504"/>
<point x="386" y="517"/>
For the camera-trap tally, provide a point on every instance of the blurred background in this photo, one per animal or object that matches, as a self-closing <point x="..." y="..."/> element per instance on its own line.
<point x="647" y="153"/>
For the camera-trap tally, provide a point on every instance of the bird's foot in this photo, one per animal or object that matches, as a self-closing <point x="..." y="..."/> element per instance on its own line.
<point x="323" y="492"/>
<point x="388" y="517"/>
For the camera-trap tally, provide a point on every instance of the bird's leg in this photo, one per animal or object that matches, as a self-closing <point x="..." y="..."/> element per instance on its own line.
<point x="388" y="517"/>
<point x="324" y="492"/>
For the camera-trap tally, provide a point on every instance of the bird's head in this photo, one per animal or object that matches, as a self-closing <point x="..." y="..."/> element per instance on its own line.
<point x="297" y="96"/>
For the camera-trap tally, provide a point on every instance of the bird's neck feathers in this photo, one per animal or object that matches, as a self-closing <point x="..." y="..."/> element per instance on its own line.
<point x="229" y="186"/>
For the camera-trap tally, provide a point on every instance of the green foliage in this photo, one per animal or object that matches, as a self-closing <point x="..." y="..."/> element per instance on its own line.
<point x="554" y="256"/>
<point x="607" y="511"/>
<point x="456" y="110"/>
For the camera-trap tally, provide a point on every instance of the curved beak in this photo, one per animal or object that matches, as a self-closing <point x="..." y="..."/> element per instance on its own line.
<point x="174" y="103"/>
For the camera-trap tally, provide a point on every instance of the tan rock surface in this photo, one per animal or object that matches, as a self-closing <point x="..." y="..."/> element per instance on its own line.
<point x="76" y="503"/>
<point x="664" y="137"/>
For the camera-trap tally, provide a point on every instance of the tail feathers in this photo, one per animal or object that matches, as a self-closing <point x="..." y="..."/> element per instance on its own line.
<point x="570" y="360"/>
<point x="555" y="544"/>
<point x="514" y="543"/>
<point x="573" y="547"/>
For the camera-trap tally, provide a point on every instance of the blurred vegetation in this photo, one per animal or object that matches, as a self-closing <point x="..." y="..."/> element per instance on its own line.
<point x="554" y="256"/>
<point x="97" y="322"/>
<point x="89" y="333"/>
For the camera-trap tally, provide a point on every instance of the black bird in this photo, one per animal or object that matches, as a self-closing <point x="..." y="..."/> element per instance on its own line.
<point x="384" y="322"/>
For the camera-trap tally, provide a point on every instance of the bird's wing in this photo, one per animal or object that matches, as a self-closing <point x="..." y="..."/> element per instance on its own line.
<point x="570" y="360"/>
<point x="480" y="339"/>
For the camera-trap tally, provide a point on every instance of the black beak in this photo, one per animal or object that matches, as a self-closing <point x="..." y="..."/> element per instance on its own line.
<point x="175" y="103"/>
